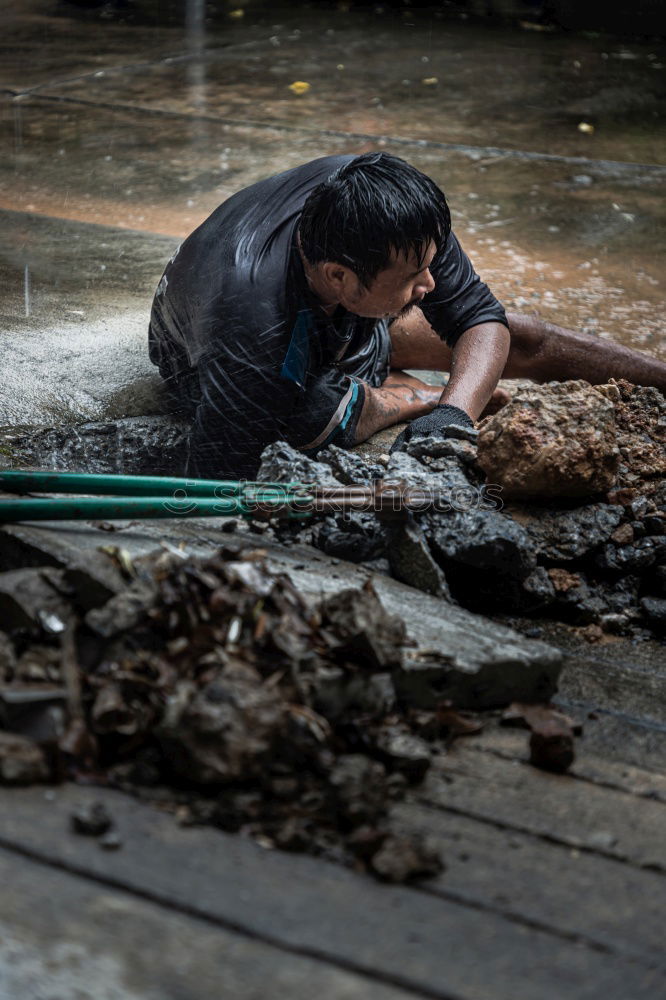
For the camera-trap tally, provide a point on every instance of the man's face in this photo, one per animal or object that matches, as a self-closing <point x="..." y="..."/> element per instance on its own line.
<point x="395" y="290"/>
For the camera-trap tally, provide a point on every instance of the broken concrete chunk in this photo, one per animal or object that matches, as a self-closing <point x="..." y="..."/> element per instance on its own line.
<point x="627" y="558"/>
<point x="551" y="440"/>
<point x="364" y="632"/>
<point x="226" y="731"/>
<point x="430" y="677"/>
<point x="280" y="463"/>
<point x="91" y="819"/>
<point x="450" y="476"/>
<point x="357" y="537"/>
<point x="336" y="692"/>
<point x="122" y="612"/>
<point x="21" y="761"/>
<point x="440" y="447"/>
<point x="412" y="562"/>
<point x="655" y="611"/>
<point x="28" y="601"/>
<point x="93" y="578"/>
<point x="349" y="467"/>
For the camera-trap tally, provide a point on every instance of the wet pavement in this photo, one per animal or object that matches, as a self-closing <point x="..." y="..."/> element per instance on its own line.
<point x="147" y="124"/>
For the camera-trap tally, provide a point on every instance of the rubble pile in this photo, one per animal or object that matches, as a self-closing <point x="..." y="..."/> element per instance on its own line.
<point x="211" y="685"/>
<point x="214" y="687"/>
<point x="557" y="509"/>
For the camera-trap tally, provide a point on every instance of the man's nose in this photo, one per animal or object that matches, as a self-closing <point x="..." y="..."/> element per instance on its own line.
<point x="426" y="284"/>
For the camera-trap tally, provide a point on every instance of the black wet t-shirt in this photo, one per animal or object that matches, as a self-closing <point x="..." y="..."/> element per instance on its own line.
<point x="235" y="326"/>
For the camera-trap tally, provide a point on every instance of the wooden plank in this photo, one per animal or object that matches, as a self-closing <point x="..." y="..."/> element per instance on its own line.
<point x="618" y="677"/>
<point x="513" y="744"/>
<point x="515" y="795"/>
<point x="62" y="935"/>
<point x="599" y="900"/>
<point x="620" y="737"/>
<point x="420" y="942"/>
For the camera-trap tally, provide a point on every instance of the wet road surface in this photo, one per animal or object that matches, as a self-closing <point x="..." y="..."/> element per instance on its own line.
<point x="147" y="126"/>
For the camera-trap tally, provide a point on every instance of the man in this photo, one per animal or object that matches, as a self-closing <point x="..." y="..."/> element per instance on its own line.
<point x="292" y="310"/>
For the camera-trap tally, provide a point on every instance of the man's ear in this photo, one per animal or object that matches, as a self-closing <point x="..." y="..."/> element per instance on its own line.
<point x="337" y="275"/>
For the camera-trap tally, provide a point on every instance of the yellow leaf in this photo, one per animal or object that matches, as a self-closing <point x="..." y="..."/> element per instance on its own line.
<point x="585" y="127"/>
<point x="430" y="81"/>
<point x="239" y="12"/>
<point x="299" y="87"/>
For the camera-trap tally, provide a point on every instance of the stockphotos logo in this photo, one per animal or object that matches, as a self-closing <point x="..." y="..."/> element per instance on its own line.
<point x="262" y="500"/>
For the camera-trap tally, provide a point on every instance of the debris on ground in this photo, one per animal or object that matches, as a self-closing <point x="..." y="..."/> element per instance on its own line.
<point x="91" y="819"/>
<point x="211" y="685"/>
<point x="21" y="761"/>
<point x="551" y="734"/>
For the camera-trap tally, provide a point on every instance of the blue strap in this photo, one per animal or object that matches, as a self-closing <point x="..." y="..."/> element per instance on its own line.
<point x="295" y="365"/>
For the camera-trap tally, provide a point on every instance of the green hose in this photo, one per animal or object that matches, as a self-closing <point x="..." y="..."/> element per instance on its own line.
<point x="130" y="508"/>
<point x="13" y="481"/>
<point x="134" y="497"/>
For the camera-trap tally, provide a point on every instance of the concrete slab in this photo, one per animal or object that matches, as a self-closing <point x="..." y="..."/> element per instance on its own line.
<point x="456" y="654"/>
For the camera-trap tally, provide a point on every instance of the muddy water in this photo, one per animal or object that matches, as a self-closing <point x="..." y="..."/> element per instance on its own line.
<point x="147" y="125"/>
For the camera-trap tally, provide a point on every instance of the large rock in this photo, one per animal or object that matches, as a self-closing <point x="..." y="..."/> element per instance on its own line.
<point x="555" y="440"/>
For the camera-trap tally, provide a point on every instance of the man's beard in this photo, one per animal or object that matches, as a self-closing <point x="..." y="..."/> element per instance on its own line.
<point x="406" y="310"/>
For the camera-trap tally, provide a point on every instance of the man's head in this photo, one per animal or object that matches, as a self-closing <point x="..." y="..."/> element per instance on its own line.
<point x="371" y="231"/>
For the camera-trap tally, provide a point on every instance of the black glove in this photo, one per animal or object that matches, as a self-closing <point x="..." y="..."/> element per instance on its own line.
<point x="432" y="424"/>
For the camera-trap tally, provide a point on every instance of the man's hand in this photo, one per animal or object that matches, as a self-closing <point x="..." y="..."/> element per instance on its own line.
<point x="432" y="424"/>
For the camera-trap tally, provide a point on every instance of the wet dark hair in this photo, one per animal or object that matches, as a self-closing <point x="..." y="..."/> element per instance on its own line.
<point x="371" y="207"/>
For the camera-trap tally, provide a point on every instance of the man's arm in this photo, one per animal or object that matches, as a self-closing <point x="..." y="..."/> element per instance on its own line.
<point x="478" y="359"/>
<point x="400" y="397"/>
